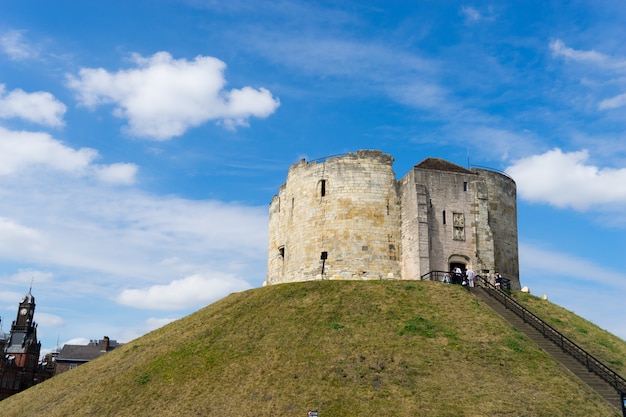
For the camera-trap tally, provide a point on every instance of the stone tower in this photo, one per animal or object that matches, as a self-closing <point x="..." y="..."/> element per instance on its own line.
<point x="452" y="216"/>
<point x="347" y="217"/>
<point x="336" y="219"/>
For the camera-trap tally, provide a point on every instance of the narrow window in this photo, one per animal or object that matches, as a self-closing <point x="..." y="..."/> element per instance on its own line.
<point x="281" y="251"/>
<point x="464" y="185"/>
<point x="444" y="217"/>
<point x="323" y="188"/>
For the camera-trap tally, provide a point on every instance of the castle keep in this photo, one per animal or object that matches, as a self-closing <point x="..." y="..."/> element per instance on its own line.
<point x="347" y="217"/>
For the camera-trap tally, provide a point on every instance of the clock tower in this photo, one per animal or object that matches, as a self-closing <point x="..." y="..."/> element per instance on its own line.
<point x="21" y="351"/>
<point x="25" y="313"/>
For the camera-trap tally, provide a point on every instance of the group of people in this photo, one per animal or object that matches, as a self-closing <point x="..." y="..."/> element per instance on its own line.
<point x="466" y="278"/>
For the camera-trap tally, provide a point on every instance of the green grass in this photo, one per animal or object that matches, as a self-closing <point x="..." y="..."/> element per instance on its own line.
<point x="345" y="348"/>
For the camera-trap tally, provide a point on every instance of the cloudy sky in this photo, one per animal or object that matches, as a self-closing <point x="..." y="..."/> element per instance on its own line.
<point x="142" y="141"/>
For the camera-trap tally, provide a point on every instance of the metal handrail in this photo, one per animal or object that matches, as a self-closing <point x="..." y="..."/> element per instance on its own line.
<point x="440" y="276"/>
<point x="499" y="171"/>
<point x="585" y="358"/>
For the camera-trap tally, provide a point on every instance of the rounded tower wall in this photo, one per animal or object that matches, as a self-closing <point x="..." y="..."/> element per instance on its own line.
<point x="502" y="221"/>
<point x="336" y="219"/>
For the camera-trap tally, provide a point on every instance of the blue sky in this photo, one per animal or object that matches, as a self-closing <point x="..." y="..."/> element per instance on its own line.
<point x="142" y="141"/>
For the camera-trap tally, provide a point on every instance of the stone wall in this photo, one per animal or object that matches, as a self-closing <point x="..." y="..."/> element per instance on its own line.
<point x="345" y="209"/>
<point x="446" y="209"/>
<point x="502" y="222"/>
<point x="347" y="217"/>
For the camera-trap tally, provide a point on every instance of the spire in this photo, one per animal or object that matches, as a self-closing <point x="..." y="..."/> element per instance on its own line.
<point x="29" y="298"/>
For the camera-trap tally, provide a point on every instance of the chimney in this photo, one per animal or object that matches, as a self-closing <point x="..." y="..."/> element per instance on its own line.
<point x="104" y="346"/>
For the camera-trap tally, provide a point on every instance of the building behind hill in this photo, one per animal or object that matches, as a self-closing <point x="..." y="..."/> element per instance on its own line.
<point x="348" y="217"/>
<point x="20" y="367"/>
<point x="72" y="356"/>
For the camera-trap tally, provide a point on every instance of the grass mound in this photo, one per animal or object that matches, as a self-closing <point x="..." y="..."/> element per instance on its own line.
<point x="345" y="348"/>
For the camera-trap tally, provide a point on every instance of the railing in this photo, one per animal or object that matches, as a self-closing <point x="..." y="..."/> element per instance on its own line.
<point x="435" y="276"/>
<point x="589" y="361"/>
<point x="491" y="169"/>
<point x="452" y="278"/>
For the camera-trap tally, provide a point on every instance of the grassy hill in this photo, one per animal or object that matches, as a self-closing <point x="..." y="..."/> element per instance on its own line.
<point x="605" y="346"/>
<point x="345" y="348"/>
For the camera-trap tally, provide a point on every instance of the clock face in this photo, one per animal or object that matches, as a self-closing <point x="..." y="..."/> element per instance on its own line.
<point x="23" y="312"/>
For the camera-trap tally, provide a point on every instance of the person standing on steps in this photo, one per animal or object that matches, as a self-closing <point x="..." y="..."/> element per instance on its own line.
<point x="498" y="280"/>
<point x="469" y="274"/>
<point x="458" y="275"/>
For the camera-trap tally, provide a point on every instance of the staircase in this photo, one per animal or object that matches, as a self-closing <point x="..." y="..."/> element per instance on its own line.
<point x="579" y="362"/>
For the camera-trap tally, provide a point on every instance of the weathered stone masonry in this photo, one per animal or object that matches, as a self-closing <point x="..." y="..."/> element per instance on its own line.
<point x="348" y="217"/>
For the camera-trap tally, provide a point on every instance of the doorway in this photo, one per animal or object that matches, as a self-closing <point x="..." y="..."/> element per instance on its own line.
<point x="457" y="278"/>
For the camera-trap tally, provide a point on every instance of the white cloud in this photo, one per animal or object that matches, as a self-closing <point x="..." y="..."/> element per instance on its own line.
<point x="163" y="97"/>
<point x="39" y="107"/>
<point x="600" y="60"/>
<point x="21" y="151"/>
<point x="613" y="102"/>
<point x="10" y="297"/>
<point x="194" y="290"/>
<point x="78" y="228"/>
<point x="548" y="263"/>
<point x="120" y="173"/>
<point x="80" y="341"/>
<point x="565" y="180"/>
<point x="559" y="48"/>
<point x="605" y="69"/>
<point x="18" y="241"/>
<point x="48" y="320"/>
<point x="12" y="44"/>
<point x="360" y="67"/>
<point x="471" y="14"/>
<point x="29" y="275"/>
